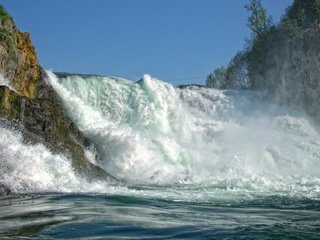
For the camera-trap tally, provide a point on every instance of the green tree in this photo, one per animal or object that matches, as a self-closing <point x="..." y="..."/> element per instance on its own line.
<point x="261" y="25"/>
<point x="305" y="13"/>
<point x="217" y="79"/>
<point x="258" y="21"/>
<point x="237" y="72"/>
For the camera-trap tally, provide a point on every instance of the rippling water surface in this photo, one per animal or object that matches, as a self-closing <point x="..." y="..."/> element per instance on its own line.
<point x="191" y="163"/>
<point x="97" y="216"/>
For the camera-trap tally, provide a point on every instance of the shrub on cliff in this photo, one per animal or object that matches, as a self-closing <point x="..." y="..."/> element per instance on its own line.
<point x="34" y="104"/>
<point x="282" y="59"/>
<point x="286" y="61"/>
<point x="18" y="60"/>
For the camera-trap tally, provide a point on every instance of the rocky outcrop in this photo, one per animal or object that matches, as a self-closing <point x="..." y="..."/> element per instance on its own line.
<point x="18" y="59"/>
<point x="33" y="103"/>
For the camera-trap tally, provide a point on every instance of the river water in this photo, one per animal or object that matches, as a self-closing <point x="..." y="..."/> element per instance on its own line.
<point x="190" y="163"/>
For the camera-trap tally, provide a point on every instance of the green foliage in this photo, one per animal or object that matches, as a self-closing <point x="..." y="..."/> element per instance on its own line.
<point x="261" y="25"/>
<point x="4" y="16"/>
<point x="258" y="21"/>
<point x="285" y="60"/>
<point x="217" y="79"/>
<point x="235" y="76"/>
<point x="305" y="13"/>
<point x="281" y="59"/>
<point x="237" y="72"/>
<point x="7" y="31"/>
<point x="290" y="27"/>
<point x="6" y="37"/>
<point x="10" y="103"/>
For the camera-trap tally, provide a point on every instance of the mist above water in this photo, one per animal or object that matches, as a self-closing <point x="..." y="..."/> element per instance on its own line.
<point x="152" y="133"/>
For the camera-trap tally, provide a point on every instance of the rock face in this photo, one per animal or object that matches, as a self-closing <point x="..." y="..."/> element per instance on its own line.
<point x="18" y="59"/>
<point x="34" y="104"/>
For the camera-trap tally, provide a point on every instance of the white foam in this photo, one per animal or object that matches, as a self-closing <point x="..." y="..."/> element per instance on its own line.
<point x="5" y="82"/>
<point x="151" y="133"/>
<point x="33" y="168"/>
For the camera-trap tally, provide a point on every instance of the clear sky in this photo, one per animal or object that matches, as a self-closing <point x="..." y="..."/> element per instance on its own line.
<point x="179" y="41"/>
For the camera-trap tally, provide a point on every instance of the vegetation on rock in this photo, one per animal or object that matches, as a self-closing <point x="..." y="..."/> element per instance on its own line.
<point x="19" y="63"/>
<point x="282" y="59"/>
<point x="34" y="104"/>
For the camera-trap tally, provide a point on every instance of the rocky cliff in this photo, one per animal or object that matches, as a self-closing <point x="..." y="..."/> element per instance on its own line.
<point x="32" y="103"/>
<point x="18" y="59"/>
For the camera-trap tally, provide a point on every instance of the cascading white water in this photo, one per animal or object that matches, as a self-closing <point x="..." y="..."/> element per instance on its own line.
<point x="5" y="82"/>
<point x="152" y="133"/>
<point x="25" y="167"/>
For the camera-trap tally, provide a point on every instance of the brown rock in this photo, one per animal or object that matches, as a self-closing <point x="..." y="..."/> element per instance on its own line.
<point x="34" y="104"/>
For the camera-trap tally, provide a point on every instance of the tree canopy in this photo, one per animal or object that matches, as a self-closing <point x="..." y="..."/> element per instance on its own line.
<point x="282" y="59"/>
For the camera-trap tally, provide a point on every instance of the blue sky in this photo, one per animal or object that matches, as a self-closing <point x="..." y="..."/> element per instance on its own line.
<point x="179" y="41"/>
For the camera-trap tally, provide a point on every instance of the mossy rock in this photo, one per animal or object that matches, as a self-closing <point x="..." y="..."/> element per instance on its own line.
<point x="34" y="104"/>
<point x="18" y="59"/>
<point x="10" y="103"/>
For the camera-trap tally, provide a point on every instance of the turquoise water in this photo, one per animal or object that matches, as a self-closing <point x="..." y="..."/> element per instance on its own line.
<point x="98" y="216"/>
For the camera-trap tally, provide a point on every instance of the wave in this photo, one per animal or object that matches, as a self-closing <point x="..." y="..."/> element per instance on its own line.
<point x="27" y="167"/>
<point x="149" y="132"/>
